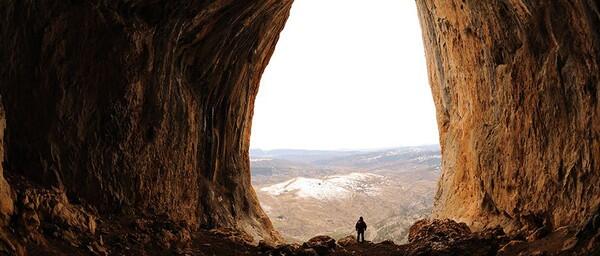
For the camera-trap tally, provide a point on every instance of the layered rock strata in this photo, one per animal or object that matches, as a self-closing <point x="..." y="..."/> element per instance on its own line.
<point x="516" y="88"/>
<point x="139" y="107"/>
<point x="144" y="107"/>
<point x="6" y="196"/>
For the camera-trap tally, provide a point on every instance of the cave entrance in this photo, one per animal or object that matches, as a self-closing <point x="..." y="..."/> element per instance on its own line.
<point x="344" y="122"/>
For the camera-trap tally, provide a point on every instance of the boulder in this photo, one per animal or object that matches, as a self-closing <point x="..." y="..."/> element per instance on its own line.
<point x="52" y="206"/>
<point x="323" y="245"/>
<point x="427" y="230"/>
<point x="347" y="241"/>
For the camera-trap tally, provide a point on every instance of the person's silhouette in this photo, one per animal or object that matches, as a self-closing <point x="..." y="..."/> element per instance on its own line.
<point x="361" y="226"/>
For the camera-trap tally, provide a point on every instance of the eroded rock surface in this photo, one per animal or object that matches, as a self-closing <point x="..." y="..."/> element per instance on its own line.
<point x="141" y="111"/>
<point x="516" y="89"/>
<point x="139" y="107"/>
<point x="6" y="200"/>
<point x="6" y="196"/>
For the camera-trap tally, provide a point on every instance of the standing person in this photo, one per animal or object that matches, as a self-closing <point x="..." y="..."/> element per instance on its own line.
<point x="361" y="226"/>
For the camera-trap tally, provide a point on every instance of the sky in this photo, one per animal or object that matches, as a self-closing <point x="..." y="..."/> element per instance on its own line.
<point x="346" y="74"/>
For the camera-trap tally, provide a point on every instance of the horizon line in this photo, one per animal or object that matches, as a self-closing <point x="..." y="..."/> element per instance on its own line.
<point x="345" y="149"/>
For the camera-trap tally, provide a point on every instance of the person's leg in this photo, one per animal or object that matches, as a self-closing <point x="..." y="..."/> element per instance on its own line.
<point x="357" y="236"/>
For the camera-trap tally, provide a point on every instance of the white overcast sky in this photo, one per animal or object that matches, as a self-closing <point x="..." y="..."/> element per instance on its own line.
<point x="346" y="74"/>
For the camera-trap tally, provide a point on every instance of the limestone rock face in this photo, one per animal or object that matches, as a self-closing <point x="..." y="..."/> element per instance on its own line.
<point x="6" y="200"/>
<point x="516" y="88"/>
<point x="144" y="107"/>
<point x="139" y="107"/>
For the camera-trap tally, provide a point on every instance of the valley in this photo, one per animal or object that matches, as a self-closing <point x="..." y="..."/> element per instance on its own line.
<point x="308" y="192"/>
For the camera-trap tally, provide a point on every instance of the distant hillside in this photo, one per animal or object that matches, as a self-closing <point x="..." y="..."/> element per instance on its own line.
<point x="306" y="192"/>
<point x="300" y="155"/>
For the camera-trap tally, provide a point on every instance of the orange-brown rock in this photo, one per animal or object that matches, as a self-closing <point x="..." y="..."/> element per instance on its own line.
<point x="144" y="108"/>
<point x="516" y="89"/>
<point x="6" y="200"/>
<point x="139" y="107"/>
<point x="6" y="196"/>
<point x="437" y="230"/>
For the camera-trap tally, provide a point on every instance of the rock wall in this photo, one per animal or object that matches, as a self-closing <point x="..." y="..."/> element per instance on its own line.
<point x="145" y="107"/>
<point x="6" y="200"/>
<point x="139" y="107"/>
<point x="516" y="87"/>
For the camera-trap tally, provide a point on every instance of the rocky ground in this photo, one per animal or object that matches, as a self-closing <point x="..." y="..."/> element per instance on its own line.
<point x="46" y="223"/>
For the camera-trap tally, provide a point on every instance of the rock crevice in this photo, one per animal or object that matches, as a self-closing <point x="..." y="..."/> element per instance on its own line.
<point x="144" y="108"/>
<point x="139" y="107"/>
<point x="516" y="92"/>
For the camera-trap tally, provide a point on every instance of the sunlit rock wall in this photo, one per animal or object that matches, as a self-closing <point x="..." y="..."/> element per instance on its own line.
<point x="145" y="107"/>
<point x="516" y="87"/>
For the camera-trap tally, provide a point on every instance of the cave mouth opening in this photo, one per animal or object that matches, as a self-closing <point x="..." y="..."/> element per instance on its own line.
<point x="344" y="123"/>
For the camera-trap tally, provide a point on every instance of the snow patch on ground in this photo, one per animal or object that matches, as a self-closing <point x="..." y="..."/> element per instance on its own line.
<point x="329" y="187"/>
<point x="424" y="158"/>
<point x="373" y="158"/>
<point x="260" y="159"/>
